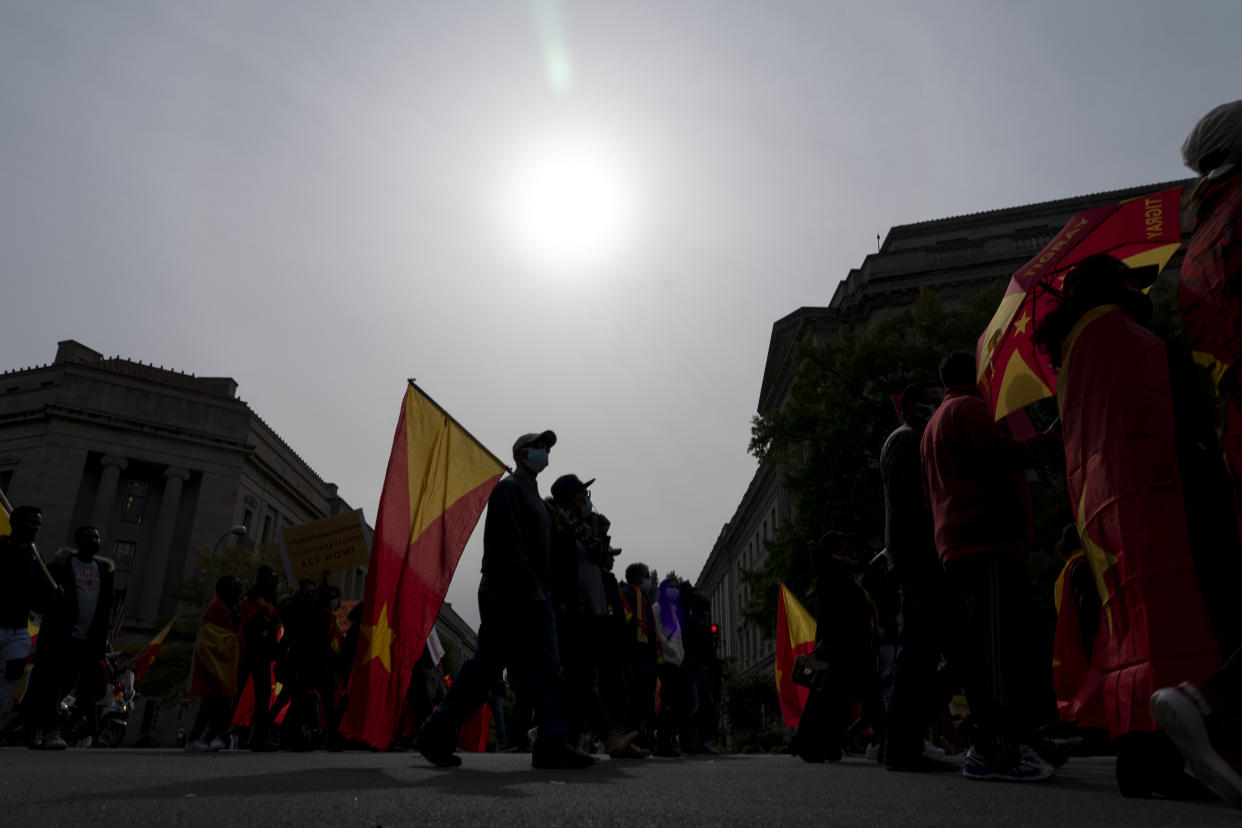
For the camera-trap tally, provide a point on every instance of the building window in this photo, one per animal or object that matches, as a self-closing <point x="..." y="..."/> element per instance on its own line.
<point x="247" y="520"/>
<point x="135" y="502"/>
<point x="6" y="479"/>
<point x="123" y="555"/>
<point x="267" y="528"/>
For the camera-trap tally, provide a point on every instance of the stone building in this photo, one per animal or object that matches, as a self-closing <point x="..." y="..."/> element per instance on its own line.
<point x="161" y="461"/>
<point x="950" y="256"/>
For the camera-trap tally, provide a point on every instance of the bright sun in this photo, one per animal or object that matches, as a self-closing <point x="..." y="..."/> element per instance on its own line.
<point x="569" y="204"/>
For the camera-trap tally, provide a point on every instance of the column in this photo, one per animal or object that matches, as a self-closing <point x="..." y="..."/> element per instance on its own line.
<point x="112" y="465"/>
<point x="155" y="559"/>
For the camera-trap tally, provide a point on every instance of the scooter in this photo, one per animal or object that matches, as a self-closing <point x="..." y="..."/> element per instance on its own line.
<point x="113" y="709"/>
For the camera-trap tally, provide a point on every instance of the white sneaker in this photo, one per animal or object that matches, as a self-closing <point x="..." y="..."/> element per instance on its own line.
<point x="217" y="744"/>
<point x="197" y="746"/>
<point x="933" y="750"/>
<point x="873" y="751"/>
<point x="1030" y="755"/>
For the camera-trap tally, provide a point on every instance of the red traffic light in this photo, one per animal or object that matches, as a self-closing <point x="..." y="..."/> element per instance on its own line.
<point x="715" y="628"/>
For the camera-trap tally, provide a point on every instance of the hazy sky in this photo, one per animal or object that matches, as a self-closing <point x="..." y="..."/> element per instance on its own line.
<point x="321" y="199"/>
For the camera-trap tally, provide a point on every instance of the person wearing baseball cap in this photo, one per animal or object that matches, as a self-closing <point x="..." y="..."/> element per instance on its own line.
<point x="517" y="628"/>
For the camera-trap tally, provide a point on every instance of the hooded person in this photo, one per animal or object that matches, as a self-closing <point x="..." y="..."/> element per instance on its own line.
<point x="217" y="656"/>
<point x="1125" y="487"/>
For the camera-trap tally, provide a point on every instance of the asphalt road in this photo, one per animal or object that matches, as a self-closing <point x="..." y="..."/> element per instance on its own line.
<point x="147" y="788"/>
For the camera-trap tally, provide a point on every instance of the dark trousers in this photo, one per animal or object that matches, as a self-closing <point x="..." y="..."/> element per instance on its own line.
<point x="824" y="726"/>
<point x="916" y="695"/>
<point x="513" y="630"/>
<point x="71" y="665"/>
<point x="1002" y="660"/>
<point x="215" y="713"/>
<point x="259" y="671"/>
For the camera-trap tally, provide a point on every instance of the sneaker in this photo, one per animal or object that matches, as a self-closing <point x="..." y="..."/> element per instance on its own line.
<point x="633" y="751"/>
<point x="36" y="741"/>
<point x="933" y="750"/>
<point x="1207" y="734"/>
<point x="217" y="744"/>
<point x="617" y="741"/>
<point x="873" y="752"/>
<point x="53" y="741"/>
<point x="978" y="766"/>
<point x="1030" y="754"/>
<point x="437" y="753"/>
<point x="198" y="746"/>
<point x="560" y="757"/>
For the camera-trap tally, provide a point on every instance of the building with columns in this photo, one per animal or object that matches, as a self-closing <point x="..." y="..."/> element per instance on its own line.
<point x="161" y="461"/>
<point x="951" y="257"/>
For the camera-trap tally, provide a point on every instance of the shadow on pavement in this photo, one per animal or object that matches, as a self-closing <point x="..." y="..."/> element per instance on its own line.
<point x="294" y="782"/>
<point x="510" y="784"/>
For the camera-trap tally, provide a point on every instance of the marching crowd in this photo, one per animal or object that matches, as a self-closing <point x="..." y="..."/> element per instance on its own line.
<point x="1148" y="643"/>
<point x="626" y="667"/>
<point x="1148" y="649"/>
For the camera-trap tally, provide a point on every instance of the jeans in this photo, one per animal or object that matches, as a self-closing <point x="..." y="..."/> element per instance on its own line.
<point x="14" y="647"/>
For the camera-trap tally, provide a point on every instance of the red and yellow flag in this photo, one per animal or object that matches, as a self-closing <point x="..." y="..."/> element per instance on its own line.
<point x="4" y="515"/>
<point x="795" y="636"/>
<point x="1012" y="371"/>
<point x="149" y="652"/>
<point x="438" y="481"/>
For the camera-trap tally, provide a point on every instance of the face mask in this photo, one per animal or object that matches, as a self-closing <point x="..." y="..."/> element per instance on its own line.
<point x="333" y="603"/>
<point x="587" y="506"/>
<point x="671" y="594"/>
<point x="645" y="585"/>
<point x="536" y="459"/>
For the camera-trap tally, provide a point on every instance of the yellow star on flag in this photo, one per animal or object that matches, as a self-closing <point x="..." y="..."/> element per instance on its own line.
<point x="379" y="640"/>
<point x="1023" y="321"/>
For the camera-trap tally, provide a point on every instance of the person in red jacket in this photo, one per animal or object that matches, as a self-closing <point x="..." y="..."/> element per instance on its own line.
<point x="1203" y="717"/>
<point x="975" y="481"/>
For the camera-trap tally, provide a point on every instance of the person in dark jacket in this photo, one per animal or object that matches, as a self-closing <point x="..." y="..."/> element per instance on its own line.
<point x="911" y="551"/>
<point x="517" y="626"/>
<point x="72" y="639"/>
<point x="23" y="587"/>
<point x="844" y="640"/>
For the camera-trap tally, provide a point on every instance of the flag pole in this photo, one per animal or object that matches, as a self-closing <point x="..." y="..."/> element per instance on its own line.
<point x="453" y="419"/>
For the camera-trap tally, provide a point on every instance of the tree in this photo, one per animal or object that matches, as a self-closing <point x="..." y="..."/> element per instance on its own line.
<point x="827" y="437"/>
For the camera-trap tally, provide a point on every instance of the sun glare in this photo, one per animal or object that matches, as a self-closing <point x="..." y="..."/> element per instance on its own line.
<point x="569" y="203"/>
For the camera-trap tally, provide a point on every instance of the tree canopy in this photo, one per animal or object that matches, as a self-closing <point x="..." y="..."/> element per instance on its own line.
<point x="827" y="437"/>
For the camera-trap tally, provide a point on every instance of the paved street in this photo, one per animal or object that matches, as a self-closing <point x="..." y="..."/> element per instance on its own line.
<point x="161" y="788"/>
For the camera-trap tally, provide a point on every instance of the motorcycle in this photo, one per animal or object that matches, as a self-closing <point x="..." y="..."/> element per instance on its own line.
<point x="113" y="708"/>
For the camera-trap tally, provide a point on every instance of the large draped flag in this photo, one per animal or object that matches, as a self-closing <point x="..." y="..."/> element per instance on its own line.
<point x="438" y="481"/>
<point x="1141" y="231"/>
<point x="795" y="636"/>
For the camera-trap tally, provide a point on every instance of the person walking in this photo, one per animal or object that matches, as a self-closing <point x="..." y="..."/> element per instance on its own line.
<point x="516" y="622"/>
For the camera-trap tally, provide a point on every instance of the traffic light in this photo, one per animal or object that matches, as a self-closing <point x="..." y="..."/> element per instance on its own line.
<point x="716" y="636"/>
